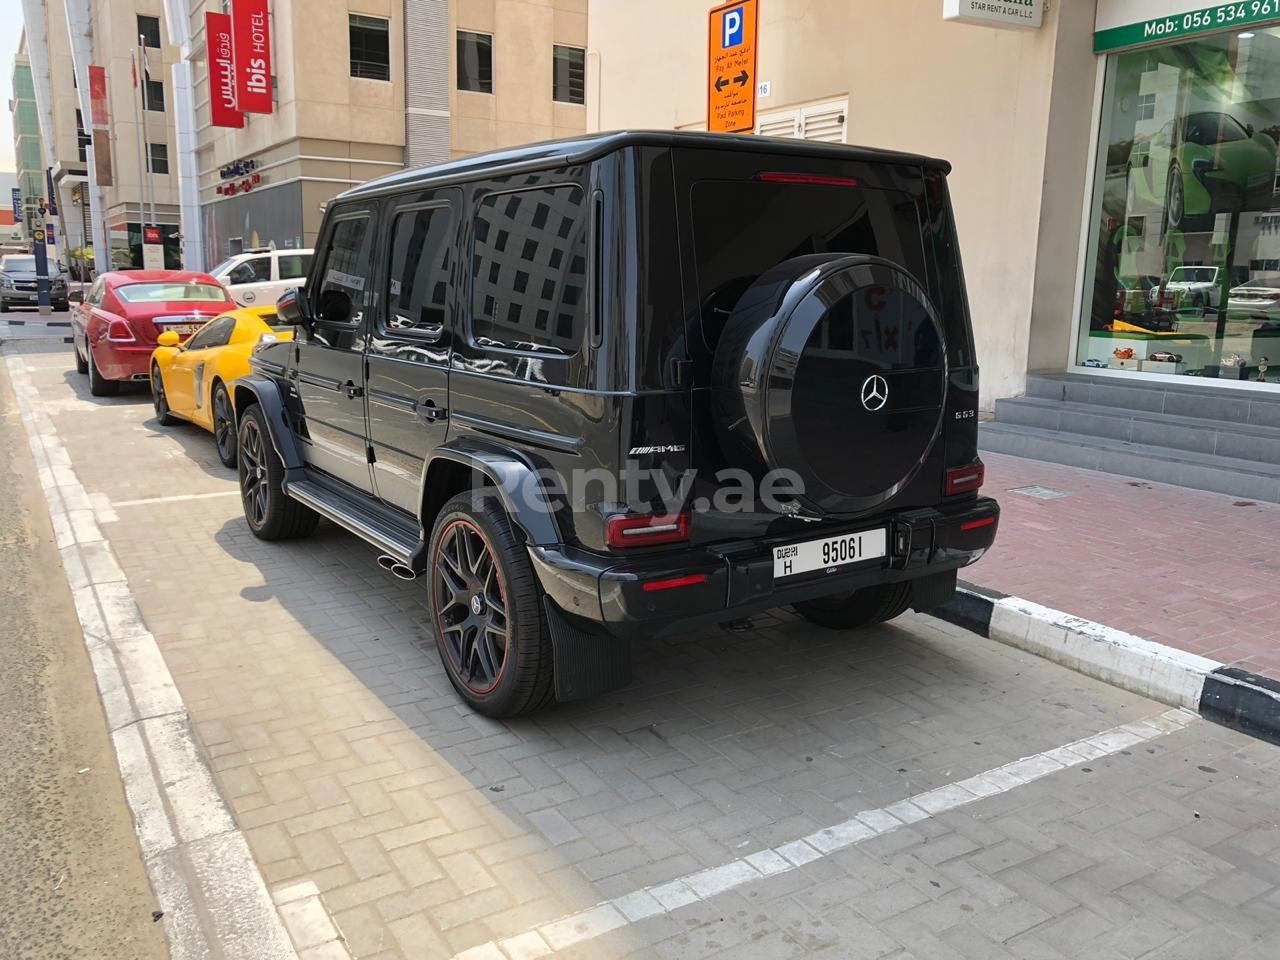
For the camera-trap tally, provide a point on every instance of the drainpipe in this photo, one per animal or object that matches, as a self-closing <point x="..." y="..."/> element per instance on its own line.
<point x="178" y="20"/>
<point x="80" y="30"/>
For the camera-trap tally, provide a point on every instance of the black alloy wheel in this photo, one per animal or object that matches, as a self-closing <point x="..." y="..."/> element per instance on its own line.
<point x="471" y="608"/>
<point x="270" y="512"/>
<point x="486" y="606"/>
<point x="159" y="399"/>
<point x="224" y="426"/>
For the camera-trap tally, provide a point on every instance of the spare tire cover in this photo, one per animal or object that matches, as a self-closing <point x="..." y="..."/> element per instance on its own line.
<point x="832" y="366"/>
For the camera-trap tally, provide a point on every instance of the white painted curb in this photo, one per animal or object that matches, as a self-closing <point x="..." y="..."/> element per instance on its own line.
<point x="213" y="896"/>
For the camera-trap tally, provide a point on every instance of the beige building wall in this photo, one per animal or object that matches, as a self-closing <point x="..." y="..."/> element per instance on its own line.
<point x="994" y="102"/>
<point x="520" y="109"/>
<point x="115" y="38"/>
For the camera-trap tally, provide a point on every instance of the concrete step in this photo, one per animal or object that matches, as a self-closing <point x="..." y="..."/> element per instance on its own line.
<point x="1253" y="406"/>
<point x="1247" y="479"/>
<point x="1239" y="441"/>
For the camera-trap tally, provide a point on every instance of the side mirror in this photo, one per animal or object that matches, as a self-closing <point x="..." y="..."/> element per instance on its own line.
<point x="292" y="308"/>
<point x="168" y="339"/>
<point x="76" y="296"/>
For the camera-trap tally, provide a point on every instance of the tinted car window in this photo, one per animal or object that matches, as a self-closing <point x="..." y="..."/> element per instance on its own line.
<point x="529" y="270"/>
<point x="215" y="333"/>
<point x="257" y="270"/>
<point x="741" y="228"/>
<point x="420" y="261"/>
<point x="171" y="293"/>
<point x="340" y="299"/>
<point x="294" y="265"/>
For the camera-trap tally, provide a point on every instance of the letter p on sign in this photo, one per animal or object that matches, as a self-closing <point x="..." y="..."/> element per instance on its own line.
<point x="732" y="28"/>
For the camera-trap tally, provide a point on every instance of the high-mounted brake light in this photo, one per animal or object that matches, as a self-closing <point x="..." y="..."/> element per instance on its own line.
<point x="811" y="178"/>
<point x="689" y="581"/>
<point x="118" y="332"/>
<point x="965" y="479"/>
<point x="645" y="530"/>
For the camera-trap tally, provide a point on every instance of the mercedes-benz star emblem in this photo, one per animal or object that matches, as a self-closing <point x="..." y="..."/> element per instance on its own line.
<point x="875" y="392"/>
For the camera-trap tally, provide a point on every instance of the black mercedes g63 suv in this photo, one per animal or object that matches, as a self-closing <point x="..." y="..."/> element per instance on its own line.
<point x="595" y="389"/>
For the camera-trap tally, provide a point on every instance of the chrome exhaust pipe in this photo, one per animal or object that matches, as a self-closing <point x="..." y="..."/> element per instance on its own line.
<point x="394" y="566"/>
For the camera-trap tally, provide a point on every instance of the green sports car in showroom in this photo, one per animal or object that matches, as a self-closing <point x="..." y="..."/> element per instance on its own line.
<point x="1203" y="164"/>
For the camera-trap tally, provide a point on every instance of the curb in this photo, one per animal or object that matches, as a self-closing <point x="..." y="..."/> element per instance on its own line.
<point x="1224" y="695"/>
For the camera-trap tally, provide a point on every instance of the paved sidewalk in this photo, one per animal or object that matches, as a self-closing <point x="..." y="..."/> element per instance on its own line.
<point x="1197" y="571"/>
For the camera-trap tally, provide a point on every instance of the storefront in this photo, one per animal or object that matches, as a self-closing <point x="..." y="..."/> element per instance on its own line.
<point x="1181" y="268"/>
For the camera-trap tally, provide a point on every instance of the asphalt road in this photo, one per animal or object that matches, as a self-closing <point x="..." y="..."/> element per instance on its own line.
<point x="72" y="883"/>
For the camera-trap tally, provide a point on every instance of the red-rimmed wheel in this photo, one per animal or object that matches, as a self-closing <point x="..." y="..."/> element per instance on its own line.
<point x="484" y="601"/>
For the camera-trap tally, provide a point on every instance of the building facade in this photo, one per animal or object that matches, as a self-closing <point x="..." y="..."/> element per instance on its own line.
<point x="1114" y="162"/>
<point x="28" y="152"/>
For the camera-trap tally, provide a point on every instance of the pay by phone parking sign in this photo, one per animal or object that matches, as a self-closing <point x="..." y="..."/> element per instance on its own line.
<point x="731" y="67"/>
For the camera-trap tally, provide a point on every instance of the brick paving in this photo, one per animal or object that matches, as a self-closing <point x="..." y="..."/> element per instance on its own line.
<point x="429" y="831"/>
<point x="1198" y="571"/>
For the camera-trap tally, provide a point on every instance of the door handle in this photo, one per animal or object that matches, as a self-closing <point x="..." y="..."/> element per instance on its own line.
<point x="429" y="411"/>
<point x="352" y="390"/>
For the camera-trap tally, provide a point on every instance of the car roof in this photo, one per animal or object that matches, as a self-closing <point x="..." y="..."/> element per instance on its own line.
<point x="576" y="150"/>
<point x="119" y="278"/>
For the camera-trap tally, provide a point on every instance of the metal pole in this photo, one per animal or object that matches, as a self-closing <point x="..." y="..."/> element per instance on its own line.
<point x="142" y="92"/>
<point x="142" y="181"/>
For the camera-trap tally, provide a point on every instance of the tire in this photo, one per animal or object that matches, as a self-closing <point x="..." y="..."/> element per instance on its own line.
<point x="99" y="387"/>
<point x="494" y="571"/>
<point x="159" y="399"/>
<point x="1175" y="213"/>
<point x="62" y="306"/>
<point x="862" y="608"/>
<point x="4" y="306"/>
<point x="270" y="513"/>
<point x="82" y="365"/>
<point x="224" y="420"/>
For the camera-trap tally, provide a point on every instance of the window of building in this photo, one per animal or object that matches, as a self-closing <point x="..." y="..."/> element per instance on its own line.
<point x="370" y="47"/>
<point x="257" y="270"/>
<point x="420" y="263"/>
<point x="158" y="157"/>
<point x="529" y="270"/>
<point x="340" y="301"/>
<point x="568" y="74"/>
<point x="149" y="31"/>
<point x="155" y="96"/>
<point x="293" y="266"/>
<point x="475" y="62"/>
<point x="83" y="140"/>
<point x="1184" y="234"/>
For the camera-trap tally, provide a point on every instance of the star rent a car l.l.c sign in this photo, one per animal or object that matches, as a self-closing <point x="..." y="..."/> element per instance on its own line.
<point x="995" y="13"/>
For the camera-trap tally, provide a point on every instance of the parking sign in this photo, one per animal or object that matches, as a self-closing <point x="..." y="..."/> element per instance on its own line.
<point x="731" y="67"/>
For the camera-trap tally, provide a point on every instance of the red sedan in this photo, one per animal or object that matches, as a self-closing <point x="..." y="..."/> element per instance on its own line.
<point x="116" y="324"/>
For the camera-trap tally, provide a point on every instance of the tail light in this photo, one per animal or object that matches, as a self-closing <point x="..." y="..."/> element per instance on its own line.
<point x="645" y="530"/>
<point x="965" y="479"/>
<point x="118" y="332"/>
<point x="692" y="580"/>
<point x="810" y="178"/>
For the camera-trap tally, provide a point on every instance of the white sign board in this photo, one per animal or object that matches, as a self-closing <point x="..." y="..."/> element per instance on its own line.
<point x="995" y="13"/>
<point x="153" y="256"/>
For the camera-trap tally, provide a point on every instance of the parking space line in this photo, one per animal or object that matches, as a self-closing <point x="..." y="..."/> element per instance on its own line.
<point x="212" y="895"/>
<point x="595" y="921"/>
<point x="176" y="498"/>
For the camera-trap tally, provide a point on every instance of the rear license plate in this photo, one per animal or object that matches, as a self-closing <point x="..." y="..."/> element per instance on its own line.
<point x="183" y="329"/>
<point x="829" y="553"/>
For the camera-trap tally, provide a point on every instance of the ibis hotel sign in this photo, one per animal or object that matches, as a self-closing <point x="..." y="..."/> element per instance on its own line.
<point x="995" y="13"/>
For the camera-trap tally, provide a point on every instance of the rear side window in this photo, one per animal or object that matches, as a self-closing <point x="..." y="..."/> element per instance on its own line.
<point x="529" y="270"/>
<point x="294" y="266"/>
<point x="215" y="333"/>
<point x="420" y="261"/>
<point x="741" y="228"/>
<point x="340" y="299"/>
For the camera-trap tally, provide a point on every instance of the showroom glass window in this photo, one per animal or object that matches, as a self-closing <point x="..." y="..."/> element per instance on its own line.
<point x="1184" y="248"/>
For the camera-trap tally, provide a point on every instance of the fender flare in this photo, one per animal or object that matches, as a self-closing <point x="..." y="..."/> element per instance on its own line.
<point x="510" y="473"/>
<point x="265" y="392"/>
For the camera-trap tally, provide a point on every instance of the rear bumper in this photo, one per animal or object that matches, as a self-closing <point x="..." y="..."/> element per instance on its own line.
<point x="735" y="579"/>
<point x="123" y="361"/>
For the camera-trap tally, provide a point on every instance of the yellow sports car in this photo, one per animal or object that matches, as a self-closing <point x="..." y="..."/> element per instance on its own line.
<point x="189" y="380"/>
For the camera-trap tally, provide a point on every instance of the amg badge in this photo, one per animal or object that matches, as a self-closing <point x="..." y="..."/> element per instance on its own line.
<point x="662" y="448"/>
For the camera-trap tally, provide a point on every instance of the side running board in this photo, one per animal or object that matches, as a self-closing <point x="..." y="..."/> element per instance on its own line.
<point x="367" y="519"/>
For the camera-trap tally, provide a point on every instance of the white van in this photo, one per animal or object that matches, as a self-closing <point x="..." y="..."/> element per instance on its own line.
<point x="256" y="278"/>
